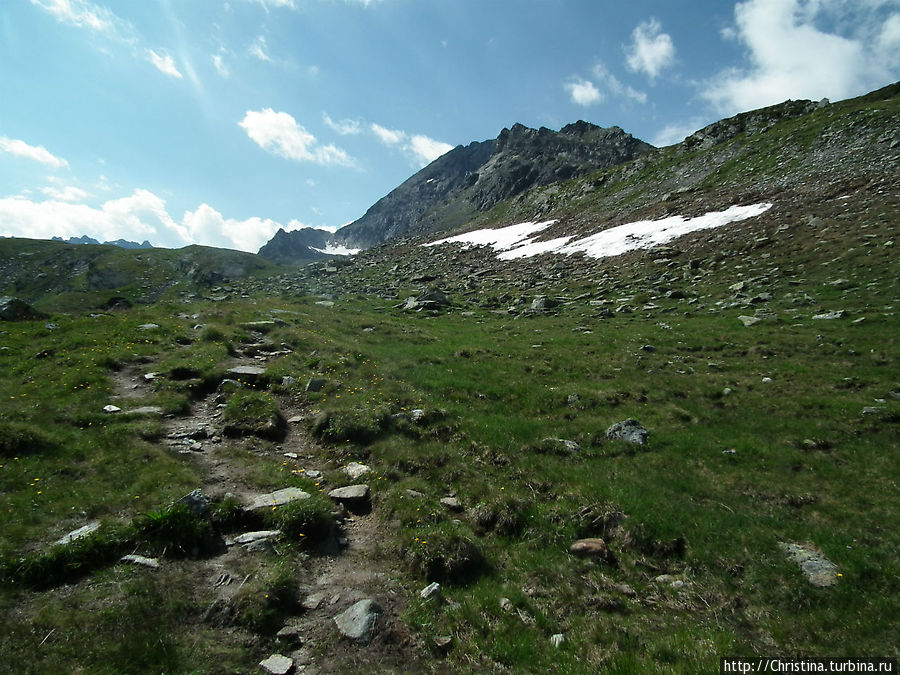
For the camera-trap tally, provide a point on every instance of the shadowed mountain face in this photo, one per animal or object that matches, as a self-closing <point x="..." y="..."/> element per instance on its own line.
<point x="472" y="179"/>
<point x="296" y="247"/>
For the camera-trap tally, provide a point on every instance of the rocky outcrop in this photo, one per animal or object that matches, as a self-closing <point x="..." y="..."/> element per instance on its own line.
<point x="474" y="178"/>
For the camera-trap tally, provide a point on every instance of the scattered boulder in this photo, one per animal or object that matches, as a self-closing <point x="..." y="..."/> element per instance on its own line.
<point x="276" y="499"/>
<point x="81" y="532"/>
<point x="432" y="590"/>
<point x="432" y="299"/>
<point x="196" y="502"/>
<point x="351" y="493"/>
<point x="358" y="621"/>
<point x="629" y="430"/>
<point x="812" y="562"/>
<point x="749" y="320"/>
<point x="452" y="503"/>
<point x="152" y="563"/>
<point x="355" y="470"/>
<point x="839" y="314"/>
<point x="111" y="409"/>
<point x="252" y="537"/>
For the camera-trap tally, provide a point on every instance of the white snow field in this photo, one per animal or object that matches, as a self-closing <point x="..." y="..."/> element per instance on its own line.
<point x="518" y="241"/>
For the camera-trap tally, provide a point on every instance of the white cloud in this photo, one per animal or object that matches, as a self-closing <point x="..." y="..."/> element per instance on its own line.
<point x="420" y="148"/>
<point x="345" y="127"/>
<point x="79" y="13"/>
<point x="583" y="92"/>
<point x="426" y="149"/>
<point x="279" y="134"/>
<point x="164" y="63"/>
<point x="790" y="57"/>
<point x="37" y="153"/>
<point x="69" y="193"/>
<point x="388" y="136"/>
<point x="211" y="228"/>
<point x="142" y="215"/>
<point x="651" y="50"/>
<point x="614" y="86"/>
<point x="259" y="50"/>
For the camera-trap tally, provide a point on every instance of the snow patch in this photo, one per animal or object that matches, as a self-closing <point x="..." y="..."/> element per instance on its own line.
<point x="500" y="239"/>
<point x="518" y="241"/>
<point x="337" y="249"/>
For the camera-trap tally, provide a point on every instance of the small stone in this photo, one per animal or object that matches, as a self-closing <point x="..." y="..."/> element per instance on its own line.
<point x="413" y="494"/>
<point x="452" y="503"/>
<point x="767" y="380"/>
<point x="313" y="601"/>
<point x="355" y="470"/>
<point x="260" y="535"/>
<point x="148" y="326"/>
<point x="443" y="642"/>
<point x="111" y="409"/>
<point x="590" y="548"/>
<point x="749" y="320"/>
<point x="152" y="563"/>
<point x="432" y="590"/>
<point x="277" y="665"/>
<point x="291" y="634"/>
<point x="557" y="639"/>
<point x="358" y="621"/>
<point x="506" y="605"/>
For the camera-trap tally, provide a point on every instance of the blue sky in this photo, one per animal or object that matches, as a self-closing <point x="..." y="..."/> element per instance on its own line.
<point x="213" y="122"/>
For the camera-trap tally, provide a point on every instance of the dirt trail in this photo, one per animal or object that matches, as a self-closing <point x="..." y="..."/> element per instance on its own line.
<point x="354" y="565"/>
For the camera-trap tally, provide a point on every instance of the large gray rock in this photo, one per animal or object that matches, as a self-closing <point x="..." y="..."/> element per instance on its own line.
<point x="14" y="309"/>
<point x="629" y="430"/>
<point x="358" y="621"/>
<point x="247" y="373"/>
<point x="351" y="493"/>
<point x="80" y="533"/>
<point x="277" y="665"/>
<point x="818" y="569"/>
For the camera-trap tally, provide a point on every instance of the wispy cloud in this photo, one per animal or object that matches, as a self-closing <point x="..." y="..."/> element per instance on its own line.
<point x="346" y="127"/>
<point x="583" y="92"/>
<point x="279" y="134"/>
<point x="221" y="67"/>
<point x="387" y="136"/>
<point x="789" y="56"/>
<point x="259" y="49"/>
<point x="615" y="87"/>
<point x="651" y="51"/>
<point x="164" y="63"/>
<point x="79" y="13"/>
<point x="37" y="153"/>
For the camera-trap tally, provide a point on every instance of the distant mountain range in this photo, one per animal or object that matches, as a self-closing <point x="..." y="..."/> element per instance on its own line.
<point x="468" y="180"/>
<point x="121" y="243"/>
